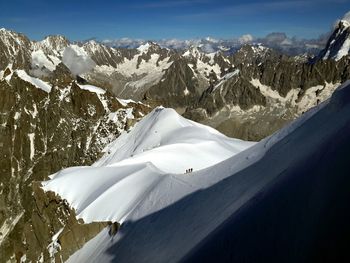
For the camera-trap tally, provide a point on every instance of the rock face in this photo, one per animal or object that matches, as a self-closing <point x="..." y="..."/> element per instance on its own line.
<point x="14" y="49"/>
<point x="107" y="56"/>
<point x="178" y="88"/>
<point x="42" y="132"/>
<point x="268" y="90"/>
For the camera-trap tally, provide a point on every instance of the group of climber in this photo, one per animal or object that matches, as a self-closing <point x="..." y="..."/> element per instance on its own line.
<point x="190" y="170"/>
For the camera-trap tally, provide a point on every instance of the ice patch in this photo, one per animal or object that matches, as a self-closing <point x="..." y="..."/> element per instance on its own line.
<point x="32" y="147"/>
<point x="226" y="77"/>
<point x="124" y="102"/>
<point x="93" y="89"/>
<point x="54" y="246"/>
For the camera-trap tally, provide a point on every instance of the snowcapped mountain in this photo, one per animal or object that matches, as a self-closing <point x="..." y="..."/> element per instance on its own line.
<point x="338" y="44"/>
<point x="161" y="76"/>
<point x="168" y="215"/>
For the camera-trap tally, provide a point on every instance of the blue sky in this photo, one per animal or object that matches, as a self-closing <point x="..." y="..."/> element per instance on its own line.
<point x="160" y="19"/>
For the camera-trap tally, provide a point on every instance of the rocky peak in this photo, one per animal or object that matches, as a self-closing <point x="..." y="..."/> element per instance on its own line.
<point x="146" y="51"/>
<point x="13" y="38"/>
<point x="14" y="49"/>
<point x="253" y="50"/>
<point x="150" y="47"/>
<point x="103" y="55"/>
<point x="338" y="44"/>
<point x="252" y="54"/>
<point x="92" y="46"/>
<point x="52" y="43"/>
<point x="178" y="87"/>
<point x="193" y="52"/>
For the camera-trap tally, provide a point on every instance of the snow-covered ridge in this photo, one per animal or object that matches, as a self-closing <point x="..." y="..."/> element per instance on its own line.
<point x="38" y="83"/>
<point x="93" y="89"/>
<point x="175" y="230"/>
<point x="159" y="150"/>
<point x="126" y="102"/>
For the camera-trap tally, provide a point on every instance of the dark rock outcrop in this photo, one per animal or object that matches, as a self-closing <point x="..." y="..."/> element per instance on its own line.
<point x="41" y="133"/>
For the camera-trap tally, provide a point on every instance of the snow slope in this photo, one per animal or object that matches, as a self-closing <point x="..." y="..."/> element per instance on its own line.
<point x="34" y="81"/>
<point x="152" y="158"/>
<point x="40" y="60"/>
<point x="179" y="215"/>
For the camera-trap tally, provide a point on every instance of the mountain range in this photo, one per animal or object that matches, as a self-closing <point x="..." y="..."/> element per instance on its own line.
<point x="276" y="40"/>
<point x="265" y="79"/>
<point x="64" y="103"/>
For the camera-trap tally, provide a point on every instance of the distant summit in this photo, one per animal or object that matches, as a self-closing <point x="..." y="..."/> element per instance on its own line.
<point x="338" y="44"/>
